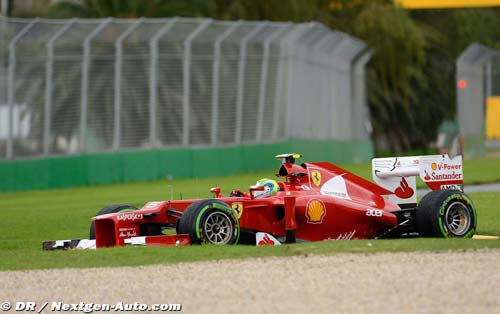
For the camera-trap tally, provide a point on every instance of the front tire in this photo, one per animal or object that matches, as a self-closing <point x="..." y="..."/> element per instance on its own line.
<point x="446" y="213"/>
<point x="210" y="221"/>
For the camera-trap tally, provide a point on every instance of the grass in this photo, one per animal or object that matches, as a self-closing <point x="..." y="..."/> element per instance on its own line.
<point x="35" y="258"/>
<point x="28" y="218"/>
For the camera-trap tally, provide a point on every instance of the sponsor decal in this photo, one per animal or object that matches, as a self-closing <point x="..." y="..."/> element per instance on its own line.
<point x="337" y="194"/>
<point x="315" y="211"/>
<point x="371" y="212"/>
<point x="263" y="238"/>
<point x="446" y="166"/>
<point x="346" y="236"/>
<point x="316" y="177"/>
<point x="129" y="216"/>
<point x="152" y="204"/>
<point x="405" y="162"/>
<point x="238" y="208"/>
<point x="443" y="176"/>
<point x="266" y="240"/>
<point x="397" y="174"/>
<point x="127" y="232"/>
<point x="336" y="187"/>
<point x="442" y="168"/>
<point x="305" y="187"/>
<point x="451" y="187"/>
<point x="427" y="176"/>
<point x="404" y="190"/>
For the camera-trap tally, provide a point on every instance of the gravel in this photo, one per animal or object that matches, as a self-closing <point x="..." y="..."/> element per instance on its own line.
<point x="451" y="282"/>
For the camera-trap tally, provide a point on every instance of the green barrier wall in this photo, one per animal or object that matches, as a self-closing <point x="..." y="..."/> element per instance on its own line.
<point x="106" y="168"/>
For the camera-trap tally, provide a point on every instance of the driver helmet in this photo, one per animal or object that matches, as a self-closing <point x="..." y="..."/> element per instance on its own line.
<point x="271" y="187"/>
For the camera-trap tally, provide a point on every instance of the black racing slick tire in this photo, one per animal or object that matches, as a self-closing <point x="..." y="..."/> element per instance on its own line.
<point x="446" y="214"/>
<point x="111" y="209"/>
<point x="210" y="221"/>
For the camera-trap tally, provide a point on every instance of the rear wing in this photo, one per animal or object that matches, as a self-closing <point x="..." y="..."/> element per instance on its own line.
<point x="397" y="174"/>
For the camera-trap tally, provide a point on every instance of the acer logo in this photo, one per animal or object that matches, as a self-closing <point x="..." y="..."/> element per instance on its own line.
<point x="371" y="212"/>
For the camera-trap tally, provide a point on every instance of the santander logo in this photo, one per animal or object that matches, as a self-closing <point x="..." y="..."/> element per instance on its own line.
<point x="266" y="241"/>
<point x="404" y="190"/>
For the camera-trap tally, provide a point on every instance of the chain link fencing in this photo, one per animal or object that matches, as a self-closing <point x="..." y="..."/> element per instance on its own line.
<point x="95" y="85"/>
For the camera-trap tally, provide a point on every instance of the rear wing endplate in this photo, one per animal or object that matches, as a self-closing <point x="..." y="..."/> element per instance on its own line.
<point x="397" y="174"/>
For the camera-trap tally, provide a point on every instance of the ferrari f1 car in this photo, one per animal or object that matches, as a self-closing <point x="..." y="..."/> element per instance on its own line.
<point x="310" y="202"/>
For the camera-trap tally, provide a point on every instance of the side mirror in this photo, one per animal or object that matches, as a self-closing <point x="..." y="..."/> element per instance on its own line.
<point x="254" y="188"/>
<point x="216" y="191"/>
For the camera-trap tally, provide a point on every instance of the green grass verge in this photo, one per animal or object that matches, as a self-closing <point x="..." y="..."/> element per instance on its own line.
<point x="28" y="218"/>
<point x="34" y="258"/>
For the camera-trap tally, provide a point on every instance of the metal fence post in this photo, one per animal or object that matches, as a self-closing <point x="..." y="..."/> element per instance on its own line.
<point x="153" y="78"/>
<point x="279" y="84"/>
<point x="85" y="82"/>
<point x="215" y="80"/>
<point x="489" y="78"/>
<point x="343" y="57"/>
<point x="187" y="80"/>
<point x="241" y="77"/>
<point x="11" y="80"/>
<point x="361" y="131"/>
<point x="118" y="75"/>
<point x="322" y="96"/>
<point x="49" y="73"/>
<point x="335" y="91"/>
<point x="293" y="64"/>
<point x="263" y="81"/>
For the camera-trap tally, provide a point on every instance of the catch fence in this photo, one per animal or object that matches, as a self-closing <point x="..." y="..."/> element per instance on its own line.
<point x="96" y="85"/>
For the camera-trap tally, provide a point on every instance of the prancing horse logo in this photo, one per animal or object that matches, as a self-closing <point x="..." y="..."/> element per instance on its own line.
<point x="316" y="177"/>
<point x="238" y="208"/>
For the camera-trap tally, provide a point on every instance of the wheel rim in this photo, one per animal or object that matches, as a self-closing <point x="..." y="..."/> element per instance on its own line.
<point x="457" y="219"/>
<point x="218" y="228"/>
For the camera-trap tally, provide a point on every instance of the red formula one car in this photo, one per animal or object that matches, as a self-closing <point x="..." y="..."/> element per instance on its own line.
<point x="311" y="202"/>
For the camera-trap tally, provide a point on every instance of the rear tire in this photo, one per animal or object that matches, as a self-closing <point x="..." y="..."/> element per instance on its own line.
<point x="111" y="209"/>
<point x="210" y="221"/>
<point x="446" y="214"/>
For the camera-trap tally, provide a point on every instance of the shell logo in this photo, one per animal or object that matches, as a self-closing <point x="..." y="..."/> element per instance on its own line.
<point x="315" y="211"/>
<point x="434" y="166"/>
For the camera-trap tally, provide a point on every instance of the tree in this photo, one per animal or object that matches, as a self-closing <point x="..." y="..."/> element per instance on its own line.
<point x="396" y="69"/>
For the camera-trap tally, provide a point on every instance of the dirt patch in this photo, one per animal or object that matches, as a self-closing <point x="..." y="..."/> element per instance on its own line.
<point x="453" y="282"/>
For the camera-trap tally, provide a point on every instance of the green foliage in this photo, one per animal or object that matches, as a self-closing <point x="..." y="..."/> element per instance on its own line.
<point x="397" y="65"/>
